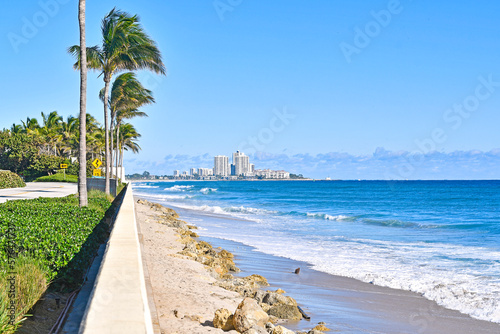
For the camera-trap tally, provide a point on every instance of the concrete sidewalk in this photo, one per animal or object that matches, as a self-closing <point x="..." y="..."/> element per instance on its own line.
<point x="39" y="189"/>
<point x="118" y="302"/>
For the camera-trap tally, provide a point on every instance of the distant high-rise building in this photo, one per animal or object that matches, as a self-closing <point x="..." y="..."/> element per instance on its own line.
<point x="241" y="163"/>
<point x="192" y="171"/>
<point x="221" y="165"/>
<point x="205" y="171"/>
<point x="177" y="173"/>
<point x="272" y="174"/>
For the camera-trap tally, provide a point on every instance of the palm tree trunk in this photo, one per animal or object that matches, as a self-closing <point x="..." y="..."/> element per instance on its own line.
<point x="117" y="145"/>
<point x="121" y="154"/>
<point x="82" y="173"/>
<point x="111" y="149"/>
<point x="121" y="157"/>
<point x="107" y="79"/>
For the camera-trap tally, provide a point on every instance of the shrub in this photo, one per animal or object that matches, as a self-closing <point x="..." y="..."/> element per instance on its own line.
<point x="24" y="288"/>
<point x="74" y="168"/>
<point x="10" y="180"/>
<point x="20" y="153"/>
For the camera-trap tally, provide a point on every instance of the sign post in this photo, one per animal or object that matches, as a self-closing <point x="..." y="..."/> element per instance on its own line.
<point x="96" y="163"/>
<point x="63" y="167"/>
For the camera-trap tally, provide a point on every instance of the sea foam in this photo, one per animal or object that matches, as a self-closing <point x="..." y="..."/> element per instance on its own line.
<point x="208" y="190"/>
<point x="329" y="217"/>
<point x="178" y="188"/>
<point x="393" y="265"/>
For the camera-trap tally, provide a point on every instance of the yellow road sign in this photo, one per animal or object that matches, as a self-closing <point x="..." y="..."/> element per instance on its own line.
<point x="63" y="166"/>
<point x="97" y="163"/>
<point x="97" y="172"/>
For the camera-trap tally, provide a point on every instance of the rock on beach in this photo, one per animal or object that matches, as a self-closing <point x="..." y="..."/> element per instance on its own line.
<point x="249" y="314"/>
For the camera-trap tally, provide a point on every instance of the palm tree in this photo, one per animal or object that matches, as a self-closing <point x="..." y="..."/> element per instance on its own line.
<point x="128" y="140"/>
<point x="68" y="136"/>
<point x="16" y="128"/>
<point x="125" y="114"/>
<point x="95" y="143"/>
<point x="94" y="137"/>
<point x="30" y="127"/>
<point x="50" y="129"/>
<point x="127" y="94"/>
<point x="82" y="173"/>
<point x="125" y="46"/>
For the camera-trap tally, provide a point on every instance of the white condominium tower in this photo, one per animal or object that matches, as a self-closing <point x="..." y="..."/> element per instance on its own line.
<point x="221" y="165"/>
<point x="205" y="171"/>
<point x="241" y="163"/>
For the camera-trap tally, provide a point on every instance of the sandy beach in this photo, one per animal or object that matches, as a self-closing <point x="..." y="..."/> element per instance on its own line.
<point x="186" y="295"/>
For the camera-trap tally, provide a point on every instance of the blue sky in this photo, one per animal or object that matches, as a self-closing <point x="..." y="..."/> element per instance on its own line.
<point x="345" y="89"/>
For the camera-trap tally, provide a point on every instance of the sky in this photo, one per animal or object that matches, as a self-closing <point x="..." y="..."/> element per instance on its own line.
<point x="325" y="88"/>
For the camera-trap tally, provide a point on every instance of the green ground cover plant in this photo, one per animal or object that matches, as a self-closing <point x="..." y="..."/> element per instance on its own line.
<point x="53" y="241"/>
<point x="10" y="180"/>
<point x="57" y="232"/>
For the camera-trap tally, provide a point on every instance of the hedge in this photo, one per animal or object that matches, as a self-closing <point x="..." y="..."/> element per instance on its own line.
<point x="58" y="178"/>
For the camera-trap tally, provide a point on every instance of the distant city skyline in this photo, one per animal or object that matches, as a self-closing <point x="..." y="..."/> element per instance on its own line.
<point x="240" y="167"/>
<point x="381" y="165"/>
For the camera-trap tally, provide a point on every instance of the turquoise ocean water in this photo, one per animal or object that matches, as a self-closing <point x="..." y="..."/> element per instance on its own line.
<point x="440" y="239"/>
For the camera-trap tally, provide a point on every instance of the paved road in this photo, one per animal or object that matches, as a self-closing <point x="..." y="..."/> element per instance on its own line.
<point x="39" y="189"/>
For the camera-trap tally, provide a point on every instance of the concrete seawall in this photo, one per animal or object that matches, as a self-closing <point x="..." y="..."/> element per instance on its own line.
<point x="100" y="184"/>
<point x="118" y="302"/>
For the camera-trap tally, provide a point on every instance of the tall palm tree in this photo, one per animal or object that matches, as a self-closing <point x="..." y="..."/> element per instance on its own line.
<point x="128" y="140"/>
<point x="127" y="94"/>
<point x="125" y="46"/>
<point x="121" y="115"/>
<point x="82" y="173"/>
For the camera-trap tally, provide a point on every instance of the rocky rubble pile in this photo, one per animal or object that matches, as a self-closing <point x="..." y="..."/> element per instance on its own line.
<point x="250" y="318"/>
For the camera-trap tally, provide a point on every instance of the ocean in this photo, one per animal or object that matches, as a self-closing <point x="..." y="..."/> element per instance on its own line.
<point x="440" y="239"/>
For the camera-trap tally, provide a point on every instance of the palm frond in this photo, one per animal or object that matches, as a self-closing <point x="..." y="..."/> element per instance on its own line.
<point x="94" y="58"/>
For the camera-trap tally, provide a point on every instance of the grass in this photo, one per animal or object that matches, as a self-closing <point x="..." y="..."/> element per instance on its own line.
<point x="59" y="177"/>
<point x="21" y="286"/>
<point x="121" y="185"/>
